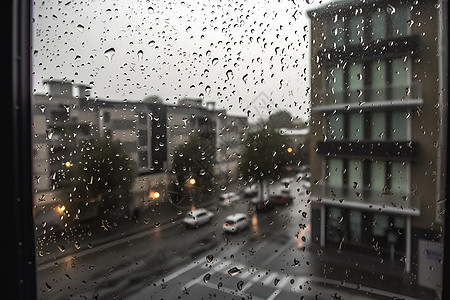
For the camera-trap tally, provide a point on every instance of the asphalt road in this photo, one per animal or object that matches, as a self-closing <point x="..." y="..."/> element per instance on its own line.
<point x="161" y="259"/>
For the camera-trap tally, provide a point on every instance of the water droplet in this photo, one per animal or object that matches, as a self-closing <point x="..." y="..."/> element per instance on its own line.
<point x="214" y="61"/>
<point x="61" y="248"/>
<point x="276" y="281"/>
<point x="77" y="245"/>
<point x="80" y="28"/>
<point x="50" y="133"/>
<point x="230" y="74"/>
<point x="151" y="10"/>
<point x="390" y="9"/>
<point x="110" y="53"/>
<point x="219" y="285"/>
<point x="234" y="271"/>
<point x="410" y="22"/>
<point x="240" y="284"/>
<point x="206" y="278"/>
<point x="152" y="43"/>
<point x="157" y="224"/>
<point x="209" y="258"/>
<point x="140" y="55"/>
<point x="42" y="108"/>
<point x="244" y="78"/>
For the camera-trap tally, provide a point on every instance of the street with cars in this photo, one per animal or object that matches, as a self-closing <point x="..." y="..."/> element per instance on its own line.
<point x="218" y="251"/>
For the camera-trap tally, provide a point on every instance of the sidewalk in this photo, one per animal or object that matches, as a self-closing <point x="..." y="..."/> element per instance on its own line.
<point x="367" y="270"/>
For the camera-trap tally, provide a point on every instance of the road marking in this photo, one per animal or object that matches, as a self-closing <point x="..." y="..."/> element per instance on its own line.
<point x="178" y="272"/>
<point x="280" y="287"/>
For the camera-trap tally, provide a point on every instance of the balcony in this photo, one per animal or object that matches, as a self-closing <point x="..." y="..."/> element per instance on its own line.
<point x="370" y="51"/>
<point x="367" y="199"/>
<point x="371" y="98"/>
<point x="404" y="150"/>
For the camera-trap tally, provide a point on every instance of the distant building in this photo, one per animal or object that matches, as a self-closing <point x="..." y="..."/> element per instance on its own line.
<point x="148" y="131"/>
<point x="375" y="134"/>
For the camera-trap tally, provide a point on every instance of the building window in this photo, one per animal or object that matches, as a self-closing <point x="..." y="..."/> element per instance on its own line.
<point x="378" y="81"/>
<point x="379" y="19"/>
<point x="336" y="32"/>
<point x="399" y="127"/>
<point x="377" y="176"/>
<point x="336" y="85"/>
<point x="356" y="29"/>
<point x="335" y="128"/>
<point x="356" y="127"/>
<point x="335" y="170"/>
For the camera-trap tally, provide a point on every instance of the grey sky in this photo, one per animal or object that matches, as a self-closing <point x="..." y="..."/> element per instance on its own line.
<point x="230" y="52"/>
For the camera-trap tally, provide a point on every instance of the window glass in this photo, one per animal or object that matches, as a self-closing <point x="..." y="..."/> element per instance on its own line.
<point x="355" y="174"/>
<point x="356" y="82"/>
<point x="336" y="85"/>
<point x="378" y="24"/>
<point x="356" y="29"/>
<point x="380" y="225"/>
<point x="336" y="30"/>
<point x="355" y="218"/>
<point x="399" y="126"/>
<point x="356" y="131"/>
<point x="336" y="126"/>
<point x="399" y="177"/>
<point x="400" y="21"/>
<point x="378" y="126"/>
<point x="377" y="176"/>
<point x="238" y="149"/>
<point x="335" y="169"/>
<point x="379" y="81"/>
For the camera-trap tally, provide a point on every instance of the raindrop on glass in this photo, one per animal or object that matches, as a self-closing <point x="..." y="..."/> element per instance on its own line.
<point x="110" y="53"/>
<point x="390" y="9"/>
<point x="206" y="278"/>
<point x="240" y="284"/>
<point x="234" y="271"/>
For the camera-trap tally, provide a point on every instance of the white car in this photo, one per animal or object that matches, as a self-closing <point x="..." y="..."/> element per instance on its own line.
<point x="235" y="222"/>
<point x="227" y="198"/>
<point x="197" y="217"/>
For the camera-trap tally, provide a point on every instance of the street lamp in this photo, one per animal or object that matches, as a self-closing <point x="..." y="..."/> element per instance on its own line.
<point x="68" y="164"/>
<point x="191" y="181"/>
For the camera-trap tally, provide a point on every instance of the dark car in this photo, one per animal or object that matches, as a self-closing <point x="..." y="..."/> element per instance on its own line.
<point x="283" y="198"/>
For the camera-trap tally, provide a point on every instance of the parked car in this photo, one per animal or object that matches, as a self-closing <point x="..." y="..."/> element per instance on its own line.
<point x="283" y="198"/>
<point x="227" y="198"/>
<point x="235" y="222"/>
<point x="197" y="217"/>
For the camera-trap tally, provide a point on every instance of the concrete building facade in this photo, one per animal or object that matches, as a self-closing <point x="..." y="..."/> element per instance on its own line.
<point x="375" y="128"/>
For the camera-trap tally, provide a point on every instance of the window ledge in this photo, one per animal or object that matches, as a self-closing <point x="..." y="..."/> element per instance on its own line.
<point x="368" y="105"/>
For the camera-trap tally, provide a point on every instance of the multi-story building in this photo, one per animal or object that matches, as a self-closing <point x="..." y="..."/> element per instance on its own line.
<point x="148" y="131"/>
<point x="375" y="134"/>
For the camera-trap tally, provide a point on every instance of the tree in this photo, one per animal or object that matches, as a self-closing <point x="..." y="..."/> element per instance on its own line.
<point x="280" y="119"/>
<point x="99" y="172"/>
<point x="265" y="155"/>
<point x="193" y="160"/>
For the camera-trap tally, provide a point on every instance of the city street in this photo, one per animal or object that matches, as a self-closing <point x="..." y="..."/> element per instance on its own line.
<point x="161" y="259"/>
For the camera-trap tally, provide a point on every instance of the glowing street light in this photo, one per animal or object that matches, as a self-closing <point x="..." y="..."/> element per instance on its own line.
<point x="192" y="181"/>
<point x="68" y="164"/>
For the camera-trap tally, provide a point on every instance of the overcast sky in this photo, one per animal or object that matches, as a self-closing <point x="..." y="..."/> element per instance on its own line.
<point x="243" y="55"/>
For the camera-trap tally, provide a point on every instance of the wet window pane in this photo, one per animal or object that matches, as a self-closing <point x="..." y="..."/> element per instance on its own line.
<point x="248" y="150"/>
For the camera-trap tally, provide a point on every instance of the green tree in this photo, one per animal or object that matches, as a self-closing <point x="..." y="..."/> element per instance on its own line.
<point x="265" y="155"/>
<point x="280" y="119"/>
<point x="100" y="174"/>
<point x="194" y="159"/>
